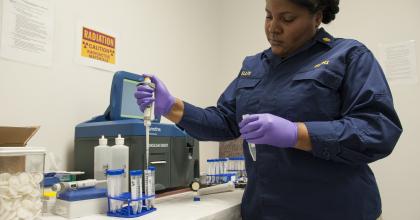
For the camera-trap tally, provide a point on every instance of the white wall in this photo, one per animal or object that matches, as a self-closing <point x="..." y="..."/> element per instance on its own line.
<point x="371" y="22"/>
<point x="242" y="34"/>
<point x="386" y="22"/>
<point x="173" y="39"/>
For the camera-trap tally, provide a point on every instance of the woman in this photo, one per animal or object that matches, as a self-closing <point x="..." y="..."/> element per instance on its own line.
<point x="319" y="109"/>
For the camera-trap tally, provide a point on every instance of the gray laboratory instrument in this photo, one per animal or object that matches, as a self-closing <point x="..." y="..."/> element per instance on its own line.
<point x="173" y="153"/>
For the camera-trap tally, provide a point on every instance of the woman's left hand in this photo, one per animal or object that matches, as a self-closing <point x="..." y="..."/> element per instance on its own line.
<point x="269" y="129"/>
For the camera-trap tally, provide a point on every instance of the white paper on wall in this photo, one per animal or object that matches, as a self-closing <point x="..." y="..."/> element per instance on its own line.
<point x="27" y="31"/>
<point x="399" y="62"/>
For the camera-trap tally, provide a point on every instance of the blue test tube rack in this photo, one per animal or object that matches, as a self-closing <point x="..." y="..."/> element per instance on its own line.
<point x="127" y="211"/>
<point x="220" y="176"/>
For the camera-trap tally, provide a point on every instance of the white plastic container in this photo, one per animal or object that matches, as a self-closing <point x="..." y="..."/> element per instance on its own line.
<point x="119" y="155"/>
<point x="21" y="175"/>
<point x="82" y="208"/>
<point x="102" y="160"/>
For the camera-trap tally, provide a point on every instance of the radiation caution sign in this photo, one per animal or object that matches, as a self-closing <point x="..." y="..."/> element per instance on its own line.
<point x="98" y="46"/>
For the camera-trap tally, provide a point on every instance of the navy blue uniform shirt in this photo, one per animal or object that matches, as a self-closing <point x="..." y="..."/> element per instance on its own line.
<point x="337" y="88"/>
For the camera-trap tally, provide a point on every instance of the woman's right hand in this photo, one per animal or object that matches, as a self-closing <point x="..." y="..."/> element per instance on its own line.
<point x="163" y="99"/>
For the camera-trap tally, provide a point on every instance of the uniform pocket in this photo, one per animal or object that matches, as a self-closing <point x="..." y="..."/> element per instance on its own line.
<point x="316" y="95"/>
<point x="247" y="99"/>
<point x="248" y="83"/>
<point x="323" y="77"/>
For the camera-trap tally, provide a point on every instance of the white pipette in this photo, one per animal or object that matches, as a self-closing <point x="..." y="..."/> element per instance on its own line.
<point x="59" y="187"/>
<point x="147" y="119"/>
<point x="225" y="187"/>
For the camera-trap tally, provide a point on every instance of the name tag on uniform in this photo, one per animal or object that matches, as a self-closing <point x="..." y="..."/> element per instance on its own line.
<point x="245" y="73"/>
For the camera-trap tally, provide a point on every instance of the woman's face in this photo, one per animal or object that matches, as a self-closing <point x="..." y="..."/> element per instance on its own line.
<point x="289" y="26"/>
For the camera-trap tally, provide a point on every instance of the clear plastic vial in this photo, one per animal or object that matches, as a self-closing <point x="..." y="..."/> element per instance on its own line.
<point x="114" y="179"/>
<point x="213" y="168"/>
<point x="223" y="170"/>
<point x="218" y="171"/>
<point x="209" y="172"/>
<point x="242" y="166"/>
<point x="149" y="179"/>
<point x="102" y="160"/>
<point x="212" y="172"/>
<point x="225" y="165"/>
<point x="136" y="190"/>
<point x="251" y="146"/>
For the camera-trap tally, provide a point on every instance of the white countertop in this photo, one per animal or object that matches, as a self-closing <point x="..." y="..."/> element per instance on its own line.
<point x="181" y="206"/>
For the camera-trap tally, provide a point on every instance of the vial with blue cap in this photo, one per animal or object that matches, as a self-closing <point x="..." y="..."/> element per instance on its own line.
<point x="136" y="190"/>
<point x="115" y="188"/>
<point x="209" y="172"/>
<point x="149" y="184"/>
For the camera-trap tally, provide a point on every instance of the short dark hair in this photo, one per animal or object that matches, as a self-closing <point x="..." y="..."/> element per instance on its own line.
<point x="329" y="8"/>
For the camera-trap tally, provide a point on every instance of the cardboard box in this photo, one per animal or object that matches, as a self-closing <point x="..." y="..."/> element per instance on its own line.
<point x="14" y="137"/>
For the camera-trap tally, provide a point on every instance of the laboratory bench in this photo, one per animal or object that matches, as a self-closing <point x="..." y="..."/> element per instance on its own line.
<point x="181" y="206"/>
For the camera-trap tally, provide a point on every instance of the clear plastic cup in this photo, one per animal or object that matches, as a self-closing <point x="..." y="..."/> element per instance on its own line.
<point x="21" y="176"/>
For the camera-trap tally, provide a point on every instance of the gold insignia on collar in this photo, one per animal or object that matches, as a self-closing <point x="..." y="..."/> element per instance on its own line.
<point x="326" y="39"/>
<point x="325" y="62"/>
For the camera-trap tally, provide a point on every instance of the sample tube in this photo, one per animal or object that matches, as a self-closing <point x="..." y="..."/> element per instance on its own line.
<point x="149" y="179"/>
<point x="136" y="190"/>
<point x="224" y="170"/>
<point x="213" y="171"/>
<point x="225" y="165"/>
<point x="242" y="166"/>
<point x="217" y="167"/>
<point x="218" y="171"/>
<point x="114" y="187"/>
<point x="233" y="164"/>
<point x="213" y="167"/>
<point x="221" y="170"/>
<point x="220" y="165"/>
<point x="209" y="172"/>
<point x="251" y="146"/>
<point x="238" y="166"/>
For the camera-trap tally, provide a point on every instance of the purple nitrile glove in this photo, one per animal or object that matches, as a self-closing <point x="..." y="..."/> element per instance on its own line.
<point x="269" y="129"/>
<point x="163" y="99"/>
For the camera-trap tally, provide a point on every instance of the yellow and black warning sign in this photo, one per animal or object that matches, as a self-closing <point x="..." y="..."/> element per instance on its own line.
<point x="98" y="46"/>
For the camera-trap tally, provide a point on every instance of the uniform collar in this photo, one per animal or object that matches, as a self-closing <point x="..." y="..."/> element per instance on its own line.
<point x="321" y="36"/>
<point x="324" y="37"/>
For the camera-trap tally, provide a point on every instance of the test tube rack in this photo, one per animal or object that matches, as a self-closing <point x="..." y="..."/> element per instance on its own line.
<point x="221" y="170"/>
<point x="126" y="211"/>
